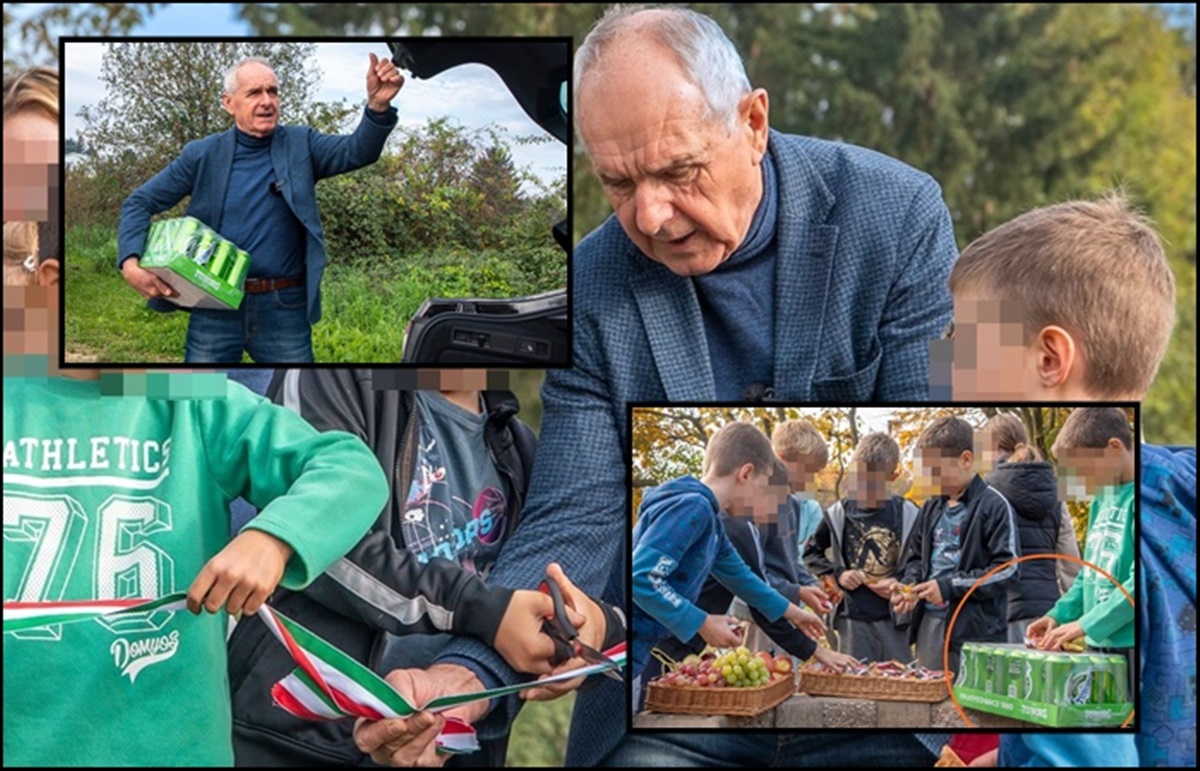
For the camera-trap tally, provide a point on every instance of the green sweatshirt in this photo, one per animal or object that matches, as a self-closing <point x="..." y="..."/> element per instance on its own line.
<point x="120" y="497"/>
<point x="1095" y="602"/>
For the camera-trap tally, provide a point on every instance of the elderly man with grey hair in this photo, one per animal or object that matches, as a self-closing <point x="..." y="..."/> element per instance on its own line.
<point x="740" y="263"/>
<point x="255" y="184"/>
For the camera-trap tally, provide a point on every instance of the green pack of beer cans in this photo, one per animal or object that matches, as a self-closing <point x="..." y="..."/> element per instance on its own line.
<point x="205" y="269"/>
<point x="1050" y="688"/>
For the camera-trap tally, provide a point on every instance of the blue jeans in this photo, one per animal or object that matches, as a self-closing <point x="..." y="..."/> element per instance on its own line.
<point x="272" y="327"/>
<point x="786" y="750"/>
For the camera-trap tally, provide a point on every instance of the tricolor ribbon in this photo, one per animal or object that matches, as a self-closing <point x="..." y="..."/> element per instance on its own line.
<point x="326" y="685"/>
<point x="19" y="616"/>
<point x="329" y="685"/>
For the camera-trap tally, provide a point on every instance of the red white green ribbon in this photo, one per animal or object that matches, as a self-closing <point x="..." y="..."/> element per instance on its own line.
<point x="329" y="685"/>
<point x="326" y="685"/>
<point x="19" y="616"/>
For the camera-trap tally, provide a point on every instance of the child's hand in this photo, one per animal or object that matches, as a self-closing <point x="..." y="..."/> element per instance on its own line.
<point x="721" y="631"/>
<point x="903" y="599"/>
<point x="520" y="639"/>
<point x="806" y="622"/>
<point x="1055" y="638"/>
<point x="929" y="591"/>
<point x="851" y="579"/>
<point x="241" y="576"/>
<point x="1040" y="628"/>
<point x="816" y="599"/>
<point x="883" y="587"/>
<point x="834" y="660"/>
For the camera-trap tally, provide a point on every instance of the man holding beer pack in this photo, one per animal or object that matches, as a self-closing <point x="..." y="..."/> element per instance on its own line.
<point x="255" y="184"/>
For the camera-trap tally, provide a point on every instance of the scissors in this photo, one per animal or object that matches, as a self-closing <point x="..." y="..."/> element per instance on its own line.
<point x="567" y="644"/>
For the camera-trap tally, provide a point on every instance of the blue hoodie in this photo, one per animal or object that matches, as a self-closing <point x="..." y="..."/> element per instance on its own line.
<point x="1166" y="617"/>
<point x="678" y="542"/>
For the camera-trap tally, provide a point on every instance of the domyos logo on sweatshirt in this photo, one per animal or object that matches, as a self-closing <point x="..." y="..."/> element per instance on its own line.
<point x="132" y="657"/>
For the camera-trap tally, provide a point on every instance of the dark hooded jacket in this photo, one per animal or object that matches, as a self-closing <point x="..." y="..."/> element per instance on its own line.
<point x="1032" y="490"/>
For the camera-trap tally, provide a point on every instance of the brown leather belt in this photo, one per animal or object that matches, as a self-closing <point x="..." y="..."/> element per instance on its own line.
<point x="261" y="285"/>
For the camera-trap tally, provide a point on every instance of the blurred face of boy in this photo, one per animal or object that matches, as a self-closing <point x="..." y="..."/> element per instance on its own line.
<point x="870" y="486"/>
<point x="944" y="471"/>
<point x="802" y="473"/>
<point x="989" y="359"/>
<point x="1083" y="472"/>
<point x="752" y="495"/>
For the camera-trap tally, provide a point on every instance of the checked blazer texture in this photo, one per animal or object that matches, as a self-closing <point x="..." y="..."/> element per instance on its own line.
<point x="865" y="250"/>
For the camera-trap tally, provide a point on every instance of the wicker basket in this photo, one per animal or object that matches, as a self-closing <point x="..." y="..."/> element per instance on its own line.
<point x="873" y="688"/>
<point x="741" y="702"/>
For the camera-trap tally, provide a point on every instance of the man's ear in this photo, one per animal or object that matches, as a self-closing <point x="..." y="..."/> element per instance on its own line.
<point x="225" y="102"/>
<point x="745" y="472"/>
<point x="1057" y="356"/>
<point x="755" y="109"/>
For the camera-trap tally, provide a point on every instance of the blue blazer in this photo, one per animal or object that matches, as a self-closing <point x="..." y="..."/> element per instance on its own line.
<point x="300" y="156"/>
<point x="865" y="250"/>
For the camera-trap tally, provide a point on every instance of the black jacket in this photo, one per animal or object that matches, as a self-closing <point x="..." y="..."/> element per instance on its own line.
<point x="379" y="586"/>
<point x="828" y="539"/>
<point x="1032" y="489"/>
<point x="989" y="540"/>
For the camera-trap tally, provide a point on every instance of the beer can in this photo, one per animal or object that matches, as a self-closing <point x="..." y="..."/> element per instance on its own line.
<point x="1000" y="671"/>
<point x="1057" y="669"/>
<point x="963" y="678"/>
<point x="1077" y="689"/>
<point x="1019" y="666"/>
<point x="241" y="265"/>
<point x="1035" y="677"/>
<point x="220" y="263"/>
<point x="1119" y="666"/>
<point x="202" y="245"/>
<point x="1103" y="689"/>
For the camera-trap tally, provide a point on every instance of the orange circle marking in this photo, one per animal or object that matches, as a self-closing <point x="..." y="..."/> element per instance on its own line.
<point x="989" y="574"/>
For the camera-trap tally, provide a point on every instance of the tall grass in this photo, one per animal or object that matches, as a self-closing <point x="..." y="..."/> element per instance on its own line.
<point x="366" y="304"/>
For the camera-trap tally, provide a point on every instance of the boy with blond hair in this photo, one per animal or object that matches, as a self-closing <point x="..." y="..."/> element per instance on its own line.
<point x="1076" y="301"/>
<point x="679" y="541"/>
<point x="860" y="542"/>
<point x="803" y="452"/>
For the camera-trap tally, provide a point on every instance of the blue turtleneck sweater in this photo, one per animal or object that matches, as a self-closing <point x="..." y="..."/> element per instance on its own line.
<point x="257" y="219"/>
<point x="737" y="302"/>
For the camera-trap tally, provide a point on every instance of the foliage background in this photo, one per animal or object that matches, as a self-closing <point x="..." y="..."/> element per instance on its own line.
<point x="668" y="442"/>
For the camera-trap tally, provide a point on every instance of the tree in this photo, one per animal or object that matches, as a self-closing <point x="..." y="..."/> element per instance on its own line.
<point x="160" y="96"/>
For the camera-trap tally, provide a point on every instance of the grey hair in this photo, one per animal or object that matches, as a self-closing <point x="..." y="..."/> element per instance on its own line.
<point x="706" y="54"/>
<point x="231" y="82"/>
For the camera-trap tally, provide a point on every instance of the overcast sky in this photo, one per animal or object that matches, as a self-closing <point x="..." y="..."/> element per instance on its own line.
<point x="473" y="95"/>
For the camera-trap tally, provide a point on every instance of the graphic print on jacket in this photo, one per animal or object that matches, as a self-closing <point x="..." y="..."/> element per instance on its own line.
<point x="463" y="516"/>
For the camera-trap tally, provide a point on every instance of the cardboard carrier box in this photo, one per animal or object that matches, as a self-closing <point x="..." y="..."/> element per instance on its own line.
<point x="205" y="269"/>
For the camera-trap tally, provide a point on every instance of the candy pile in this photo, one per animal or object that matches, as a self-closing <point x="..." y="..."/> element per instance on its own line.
<point x="889" y="669"/>
<point x="1070" y="646"/>
<point x="737" y="668"/>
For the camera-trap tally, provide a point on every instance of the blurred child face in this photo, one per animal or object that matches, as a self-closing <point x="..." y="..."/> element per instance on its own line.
<point x="1083" y="472"/>
<point x="943" y="470"/>
<point x="988" y="356"/>
<point x="802" y="473"/>
<point x="30" y="192"/>
<point x="755" y="497"/>
<point x="870" y="486"/>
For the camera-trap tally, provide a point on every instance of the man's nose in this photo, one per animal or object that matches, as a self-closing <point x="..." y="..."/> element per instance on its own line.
<point x="654" y="207"/>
